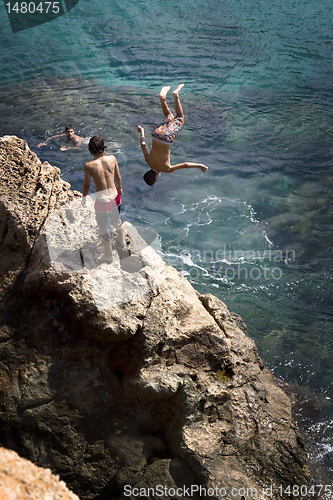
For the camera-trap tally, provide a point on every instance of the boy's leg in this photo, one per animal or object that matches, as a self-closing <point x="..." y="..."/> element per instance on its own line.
<point x="117" y="222"/>
<point x="165" y="107"/>
<point x="107" y="255"/>
<point x="103" y="226"/>
<point x="178" y="106"/>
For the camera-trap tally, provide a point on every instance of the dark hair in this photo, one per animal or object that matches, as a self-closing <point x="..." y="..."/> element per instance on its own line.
<point x="96" y="145"/>
<point x="151" y="177"/>
<point x="69" y="127"/>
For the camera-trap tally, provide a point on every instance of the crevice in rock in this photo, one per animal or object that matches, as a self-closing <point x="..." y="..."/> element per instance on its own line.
<point x="209" y="310"/>
<point x="7" y="339"/>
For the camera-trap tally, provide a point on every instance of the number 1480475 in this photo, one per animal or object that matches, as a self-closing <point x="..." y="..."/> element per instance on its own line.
<point x="33" y="8"/>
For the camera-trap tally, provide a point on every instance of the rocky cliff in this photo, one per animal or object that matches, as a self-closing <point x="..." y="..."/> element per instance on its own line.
<point x="121" y="376"/>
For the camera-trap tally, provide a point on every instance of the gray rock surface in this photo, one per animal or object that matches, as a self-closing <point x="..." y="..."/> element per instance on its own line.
<point x="121" y="375"/>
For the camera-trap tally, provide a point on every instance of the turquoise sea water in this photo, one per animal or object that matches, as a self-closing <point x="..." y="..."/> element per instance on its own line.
<point x="257" y="229"/>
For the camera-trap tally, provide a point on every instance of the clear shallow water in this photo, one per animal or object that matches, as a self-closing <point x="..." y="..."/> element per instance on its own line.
<point x="256" y="230"/>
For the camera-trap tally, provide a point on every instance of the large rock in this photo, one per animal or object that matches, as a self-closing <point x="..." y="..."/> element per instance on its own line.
<point x="121" y="376"/>
<point x="22" y="480"/>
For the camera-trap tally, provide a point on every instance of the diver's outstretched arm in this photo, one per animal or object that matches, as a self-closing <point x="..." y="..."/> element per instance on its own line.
<point x="187" y="164"/>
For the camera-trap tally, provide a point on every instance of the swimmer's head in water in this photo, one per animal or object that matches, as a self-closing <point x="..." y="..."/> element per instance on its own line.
<point x="151" y="177"/>
<point x="96" y="145"/>
<point x="69" y="131"/>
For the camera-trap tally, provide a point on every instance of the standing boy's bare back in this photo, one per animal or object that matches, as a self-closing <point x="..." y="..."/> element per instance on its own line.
<point x="105" y="173"/>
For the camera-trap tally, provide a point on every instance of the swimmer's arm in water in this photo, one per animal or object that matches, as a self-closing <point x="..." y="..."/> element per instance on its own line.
<point x="65" y="148"/>
<point x="47" y="140"/>
<point x="86" y="185"/>
<point x="187" y="164"/>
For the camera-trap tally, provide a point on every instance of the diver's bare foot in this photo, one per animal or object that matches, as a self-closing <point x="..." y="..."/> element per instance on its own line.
<point x="177" y="90"/>
<point x="164" y="91"/>
<point x="105" y="258"/>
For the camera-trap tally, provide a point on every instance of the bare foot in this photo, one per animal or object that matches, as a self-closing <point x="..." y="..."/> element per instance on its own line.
<point x="177" y="90"/>
<point x="105" y="258"/>
<point x="203" y="168"/>
<point x="164" y="91"/>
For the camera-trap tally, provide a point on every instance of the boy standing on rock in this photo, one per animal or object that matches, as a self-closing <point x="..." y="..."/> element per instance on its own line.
<point x="105" y="173"/>
<point x="163" y="136"/>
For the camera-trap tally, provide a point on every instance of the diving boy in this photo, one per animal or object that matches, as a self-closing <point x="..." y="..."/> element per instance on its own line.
<point x="162" y="137"/>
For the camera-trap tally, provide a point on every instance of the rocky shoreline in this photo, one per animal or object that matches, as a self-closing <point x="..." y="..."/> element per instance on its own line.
<point x="122" y="377"/>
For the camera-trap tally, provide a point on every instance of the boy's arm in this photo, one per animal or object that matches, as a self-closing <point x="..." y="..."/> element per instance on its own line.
<point x="187" y="164"/>
<point x="117" y="178"/>
<point x="47" y="140"/>
<point x="64" y="148"/>
<point x="143" y="142"/>
<point x="86" y="185"/>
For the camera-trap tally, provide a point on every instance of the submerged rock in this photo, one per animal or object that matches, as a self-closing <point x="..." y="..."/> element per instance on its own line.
<point x="121" y="376"/>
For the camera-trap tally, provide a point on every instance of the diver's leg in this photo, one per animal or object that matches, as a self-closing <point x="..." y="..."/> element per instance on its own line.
<point x="178" y="106"/>
<point x="162" y="96"/>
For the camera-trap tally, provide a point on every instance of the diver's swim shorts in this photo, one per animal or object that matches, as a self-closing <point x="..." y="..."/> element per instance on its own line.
<point x="167" y="130"/>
